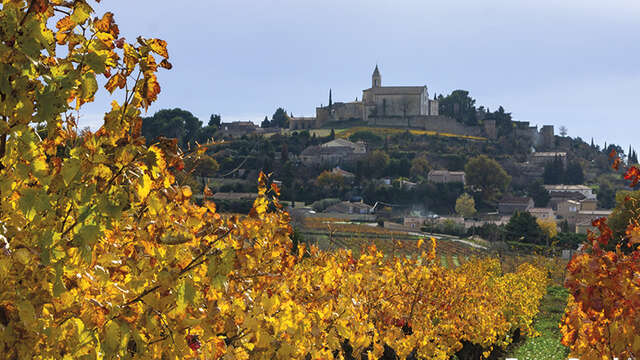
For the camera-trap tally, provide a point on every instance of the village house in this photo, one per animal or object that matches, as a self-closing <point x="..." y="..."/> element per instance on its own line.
<point x="335" y="152"/>
<point x="446" y="176"/>
<point x="234" y="196"/>
<point x="346" y="207"/>
<point x="580" y="214"/>
<point x="345" y="174"/>
<point x="358" y="146"/>
<point x="542" y="213"/>
<point x="414" y="222"/>
<point x="541" y="158"/>
<point x="509" y="205"/>
<point x="585" y="218"/>
<point x="586" y="191"/>
<point x="238" y="128"/>
<point x="563" y="196"/>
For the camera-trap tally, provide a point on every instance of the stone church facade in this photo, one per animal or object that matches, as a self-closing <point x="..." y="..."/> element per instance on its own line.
<point x="378" y="102"/>
<point x="396" y="101"/>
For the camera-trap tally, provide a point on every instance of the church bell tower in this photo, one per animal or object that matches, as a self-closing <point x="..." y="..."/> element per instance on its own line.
<point x="376" y="79"/>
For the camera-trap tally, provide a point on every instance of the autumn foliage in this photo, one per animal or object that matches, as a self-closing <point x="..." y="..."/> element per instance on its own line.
<point x="104" y="255"/>
<point x="602" y="319"/>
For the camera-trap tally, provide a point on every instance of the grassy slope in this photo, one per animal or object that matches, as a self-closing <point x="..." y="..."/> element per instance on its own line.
<point x="547" y="346"/>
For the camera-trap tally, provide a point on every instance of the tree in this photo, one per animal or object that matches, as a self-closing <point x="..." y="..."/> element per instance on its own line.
<point x="523" y="227"/>
<point x="563" y="131"/>
<point x="539" y="194"/>
<point x="419" y="167"/>
<point x="549" y="229"/>
<point x="202" y="165"/>
<point x="574" y="174"/>
<point x="172" y="123"/>
<point x="488" y="176"/>
<point x="280" y="119"/>
<point x="460" y="106"/>
<point x="215" y="120"/>
<point x="369" y="138"/>
<point x="503" y="120"/>
<point x="332" y="184"/>
<point x="554" y="172"/>
<point x="465" y="206"/>
<point x="570" y="241"/>
<point x="265" y="123"/>
<point x="374" y="164"/>
<point x="284" y="152"/>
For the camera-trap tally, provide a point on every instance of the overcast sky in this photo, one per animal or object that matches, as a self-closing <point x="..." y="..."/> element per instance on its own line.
<point x="573" y="62"/>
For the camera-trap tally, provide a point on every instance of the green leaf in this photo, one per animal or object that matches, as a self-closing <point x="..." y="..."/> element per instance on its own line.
<point x="111" y="339"/>
<point x="96" y="62"/>
<point x="85" y="238"/>
<point x="219" y="268"/>
<point x="58" y="284"/>
<point x="186" y="294"/>
<point x="44" y="242"/>
<point x="70" y="169"/>
<point x="27" y="203"/>
<point x="89" y="85"/>
<point x="27" y="313"/>
<point x="81" y="12"/>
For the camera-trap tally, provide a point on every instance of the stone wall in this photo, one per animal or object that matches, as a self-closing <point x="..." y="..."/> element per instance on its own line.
<point x="339" y="112"/>
<point x="299" y="123"/>
<point x="490" y="129"/>
<point x="442" y="124"/>
<point x="398" y="105"/>
<point x="547" y="137"/>
<point x="346" y="111"/>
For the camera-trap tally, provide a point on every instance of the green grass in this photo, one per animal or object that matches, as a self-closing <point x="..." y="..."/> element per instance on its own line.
<point x="455" y="261"/>
<point x="443" y="260"/>
<point x="547" y="346"/>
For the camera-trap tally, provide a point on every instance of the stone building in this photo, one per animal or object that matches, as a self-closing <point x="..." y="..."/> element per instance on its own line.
<point x="396" y="101"/>
<point x="377" y="102"/>
<point x="542" y="213"/>
<point x="542" y="158"/>
<point x="334" y="152"/>
<point x="580" y="214"/>
<point x="358" y="146"/>
<point x="238" y="128"/>
<point x="446" y="176"/>
<point x="584" y="190"/>
<point x="508" y="205"/>
<point x="347" y="207"/>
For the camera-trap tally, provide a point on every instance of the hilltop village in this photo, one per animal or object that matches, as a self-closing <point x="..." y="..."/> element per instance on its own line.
<point x="405" y="159"/>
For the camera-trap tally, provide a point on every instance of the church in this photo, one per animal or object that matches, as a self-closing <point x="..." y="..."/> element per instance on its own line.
<point x="396" y="101"/>
<point x="379" y="105"/>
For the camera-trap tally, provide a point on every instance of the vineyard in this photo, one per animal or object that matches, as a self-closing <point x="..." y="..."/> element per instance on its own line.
<point x="331" y="233"/>
<point x="104" y="255"/>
